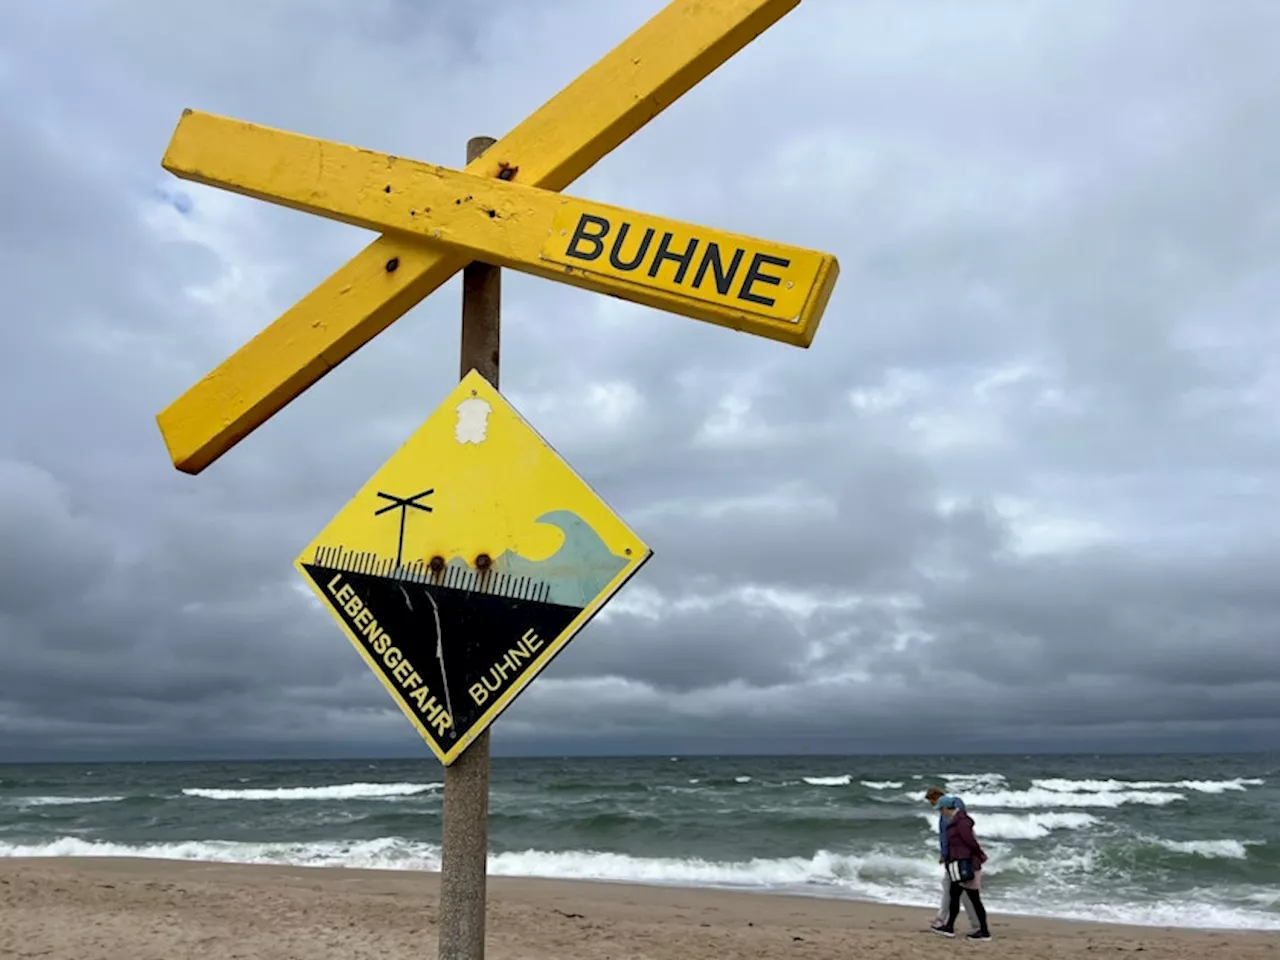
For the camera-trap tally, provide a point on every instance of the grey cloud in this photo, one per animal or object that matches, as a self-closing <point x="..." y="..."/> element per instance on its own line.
<point x="1205" y="622"/>
<point x="1030" y="456"/>
<point x="758" y="648"/>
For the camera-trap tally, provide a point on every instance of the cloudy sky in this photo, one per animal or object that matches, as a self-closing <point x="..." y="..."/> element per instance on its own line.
<point x="1023" y="491"/>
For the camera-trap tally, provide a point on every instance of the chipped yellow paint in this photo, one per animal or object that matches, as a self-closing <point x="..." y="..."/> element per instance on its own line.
<point x="619" y="94"/>
<point x="549" y="540"/>
<point x="763" y="288"/>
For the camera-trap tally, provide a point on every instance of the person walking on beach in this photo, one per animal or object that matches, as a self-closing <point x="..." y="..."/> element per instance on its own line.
<point x="964" y="859"/>
<point x="933" y="795"/>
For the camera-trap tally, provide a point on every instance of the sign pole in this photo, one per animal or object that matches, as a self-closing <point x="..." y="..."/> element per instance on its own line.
<point x="465" y="827"/>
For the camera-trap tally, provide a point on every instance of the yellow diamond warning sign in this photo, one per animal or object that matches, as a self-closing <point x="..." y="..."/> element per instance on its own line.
<point x="466" y="563"/>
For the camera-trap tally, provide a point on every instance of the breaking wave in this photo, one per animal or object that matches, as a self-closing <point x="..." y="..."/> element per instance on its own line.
<point x="1039" y="798"/>
<point x="1029" y="826"/>
<point x="1220" y="849"/>
<point x="341" y="791"/>
<point x="57" y="801"/>
<point x="1058" y="785"/>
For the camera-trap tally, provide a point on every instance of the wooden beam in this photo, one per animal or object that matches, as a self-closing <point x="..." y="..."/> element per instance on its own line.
<point x="763" y="288"/>
<point x="605" y="105"/>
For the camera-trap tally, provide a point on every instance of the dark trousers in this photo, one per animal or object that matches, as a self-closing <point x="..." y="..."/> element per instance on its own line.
<point x="975" y="898"/>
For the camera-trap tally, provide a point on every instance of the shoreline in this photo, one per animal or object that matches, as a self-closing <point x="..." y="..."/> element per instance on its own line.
<point x="111" y="907"/>
<point x="799" y="892"/>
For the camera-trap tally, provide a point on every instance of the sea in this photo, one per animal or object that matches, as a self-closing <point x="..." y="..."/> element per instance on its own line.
<point x="1180" y="841"/>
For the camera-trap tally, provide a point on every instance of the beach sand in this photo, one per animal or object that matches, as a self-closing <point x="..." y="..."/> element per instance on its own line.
<point x="104" y="909"/>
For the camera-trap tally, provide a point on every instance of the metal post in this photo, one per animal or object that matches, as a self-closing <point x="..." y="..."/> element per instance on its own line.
<point x="465" y="830"/>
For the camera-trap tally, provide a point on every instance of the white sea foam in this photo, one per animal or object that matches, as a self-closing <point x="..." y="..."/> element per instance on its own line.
<point x="1038" y="797"/>
<point x="1058" y="785"/>
<point x="58" y="801"/>
<point x="1026" y="826"/>
<point x="880" y="876"/>
<point x="1269" y="897"/>
<point x="841" y="781"/>
<point x="1211" y="849"/>
<point x="961" y="782"/>
<point x="882" y="784"/>
<point x="1202" y="915"/>
<point x="872" y="875"/>
<point x="741" y="779"/>
<point x="985" y="790"/>
<point x="341" y="791"/>
<point x="389" y="853"/>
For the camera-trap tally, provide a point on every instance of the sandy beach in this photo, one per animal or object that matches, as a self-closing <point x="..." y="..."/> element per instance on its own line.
<point x="109" y="909"/>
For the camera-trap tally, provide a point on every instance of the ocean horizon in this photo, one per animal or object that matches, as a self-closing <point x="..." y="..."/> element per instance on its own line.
<point x="1181" y="840"/>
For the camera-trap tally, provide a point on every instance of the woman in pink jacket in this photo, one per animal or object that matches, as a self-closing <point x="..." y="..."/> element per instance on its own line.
<point x="965" y="858"/>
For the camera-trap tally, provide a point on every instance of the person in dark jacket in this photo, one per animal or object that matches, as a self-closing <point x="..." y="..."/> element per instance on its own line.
<point x="932" y="796"/>
<point x="963" y="848"/>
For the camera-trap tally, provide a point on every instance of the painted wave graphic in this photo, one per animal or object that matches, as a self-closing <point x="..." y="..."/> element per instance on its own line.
<point x="577" y="572"/>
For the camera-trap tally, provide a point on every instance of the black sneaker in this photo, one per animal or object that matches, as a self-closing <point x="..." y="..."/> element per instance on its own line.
<point x="944" y="931"/>
<point x="979" y="935"/>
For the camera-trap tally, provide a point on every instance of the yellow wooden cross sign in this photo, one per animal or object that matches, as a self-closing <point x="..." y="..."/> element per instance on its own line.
<point x="511" y="218"/>
<point x="754" y="285"/>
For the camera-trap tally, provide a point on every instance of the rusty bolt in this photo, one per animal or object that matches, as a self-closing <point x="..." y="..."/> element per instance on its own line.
<point x="437" y="564"/>
<point x="506" y="171"/>
<point x="483" y="562"/>
<point x="393" y="264"/>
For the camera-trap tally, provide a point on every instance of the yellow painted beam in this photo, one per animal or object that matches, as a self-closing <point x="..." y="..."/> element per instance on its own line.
<point x="619" y="94"/>
<point x="768" y="289"/>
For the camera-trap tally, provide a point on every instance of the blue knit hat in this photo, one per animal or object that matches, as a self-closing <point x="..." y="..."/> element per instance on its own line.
<point x="948" y="802"/>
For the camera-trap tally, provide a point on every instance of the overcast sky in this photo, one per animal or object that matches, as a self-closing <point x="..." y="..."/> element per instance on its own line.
<point x="1023" y="491"/>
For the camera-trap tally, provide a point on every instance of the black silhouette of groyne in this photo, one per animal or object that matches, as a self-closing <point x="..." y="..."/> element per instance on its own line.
<point x="453" y="576"/>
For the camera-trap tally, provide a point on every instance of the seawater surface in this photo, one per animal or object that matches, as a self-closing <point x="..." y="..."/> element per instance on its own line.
<point x="1181" y="841"/>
